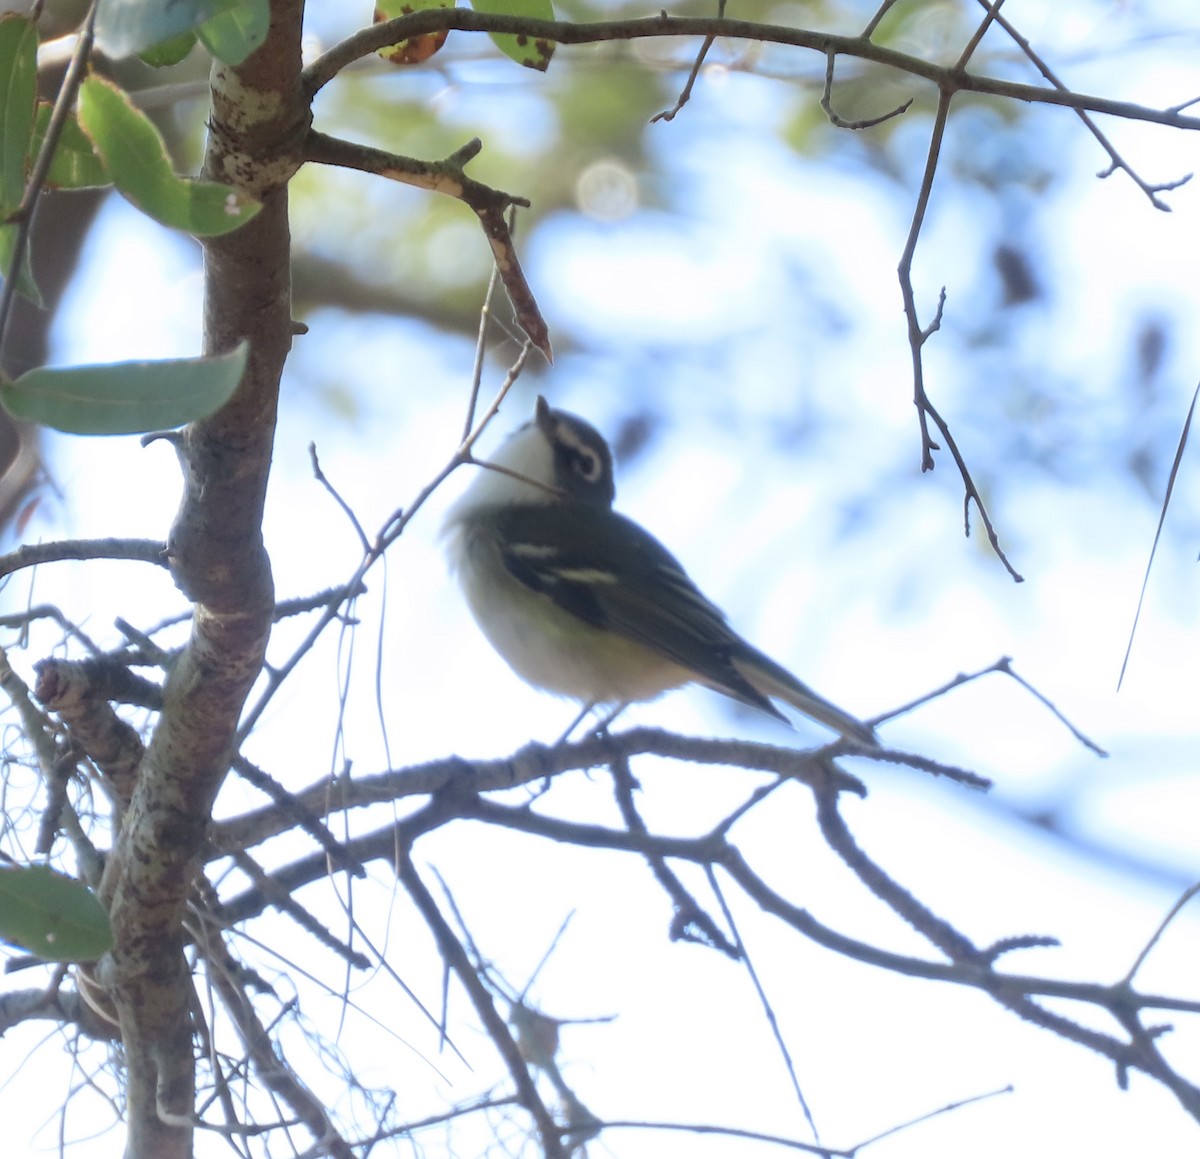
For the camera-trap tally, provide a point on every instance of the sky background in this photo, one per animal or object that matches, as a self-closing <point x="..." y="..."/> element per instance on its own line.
<point x="735" y="295"/>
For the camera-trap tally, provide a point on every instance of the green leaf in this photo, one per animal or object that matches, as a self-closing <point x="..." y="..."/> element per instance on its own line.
<point x="414" y="49"/>
<point x="530" y="53"/>
<point x="51" y="915"/>
<point x="168" y="52"/>
<point x="76" y="164"/>
<point x="234" y="34"/>
<point x="18" y="94"/>
<point x="136" y="158"/>
<point x="125" y="398"/>
<point x="124" y="27"/>
<point x="26" y="286"/>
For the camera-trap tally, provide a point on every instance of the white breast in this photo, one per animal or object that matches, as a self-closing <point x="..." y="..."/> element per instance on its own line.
<point x="546" y="646"/>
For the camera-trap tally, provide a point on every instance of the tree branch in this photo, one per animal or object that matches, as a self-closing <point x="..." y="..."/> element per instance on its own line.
<point x="369" y="40"/>
<point x="217" y="559"/>
<point x="32" y="554"/>
<point x="447" y="176"/>
<point x="1116" y="161"/>
<point x="534" y="762"/>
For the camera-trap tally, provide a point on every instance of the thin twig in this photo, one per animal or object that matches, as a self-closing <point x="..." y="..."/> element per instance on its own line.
<point x="448" y="177"/>
<point x="347" y="510"/>
<point x="1008" y="1090"/>
<point x="972" y="44"/>
<point x="23" y="619"/>
<point x="872" y="24"/>
<point x="327" y="66"/>
<point x="1005" y="666"/>
<point x="689" y="84"/>
<point x="32" y="554"/>
<point x="1172" y="913"/>
<point x="485" y="318"/>
<point x="392" y="529"/>
<point x="840" y="122"/>
<point x="937" y="930"/>
<point x="763" y="1001"/>
<point x="63" y="104"/>
<point x="1116" y="161"/>
<point x="457" y="959"/>
<point x="918" y="335"/>
<point x="690" y="922"/>
<point x="1162" y="517"/>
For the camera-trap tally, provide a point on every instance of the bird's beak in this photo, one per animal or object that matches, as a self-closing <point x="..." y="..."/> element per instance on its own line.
<point x="544" y="417"/>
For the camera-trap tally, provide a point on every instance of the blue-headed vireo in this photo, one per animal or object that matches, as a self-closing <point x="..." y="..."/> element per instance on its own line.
<point x="581" y="601"/>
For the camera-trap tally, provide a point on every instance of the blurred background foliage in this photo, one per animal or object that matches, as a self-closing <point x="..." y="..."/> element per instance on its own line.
<point x="721" y="289"/>
<point x="722" y="297"/>
<point x="579" y="143"/>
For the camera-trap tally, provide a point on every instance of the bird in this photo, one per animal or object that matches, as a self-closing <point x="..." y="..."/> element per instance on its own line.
<point x="582" y="602"/>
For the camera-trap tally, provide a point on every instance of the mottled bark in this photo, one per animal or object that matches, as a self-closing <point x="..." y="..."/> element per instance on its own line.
<point x="216" y="555"/>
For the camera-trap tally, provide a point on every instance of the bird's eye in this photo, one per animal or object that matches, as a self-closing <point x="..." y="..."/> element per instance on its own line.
<point x="587" y="464"/>
<point x="582" y="465"/>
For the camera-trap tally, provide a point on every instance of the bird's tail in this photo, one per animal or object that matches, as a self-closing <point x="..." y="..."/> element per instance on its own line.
<point x="778" y="683"/>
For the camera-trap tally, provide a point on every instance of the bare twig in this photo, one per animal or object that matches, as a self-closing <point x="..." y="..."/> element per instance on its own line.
<point x="390" y="532"/>
<point x="1172" y="914"/>
<point x="456" y="958"/>
<point x="686" y="93"/>
<point x="448" y="177"/>
<point x="530" y="764"/>
<point x="767" y="1008"/>
<point x="972" y="44"/>
<point x="840" y="122"/>
<point x="1005" y="665"/>
<point x="32" y="554"/>
<point x="272" y="1070"/>
<point x="689" y="84"/>
<point x="712" y="1129"/>
<point x="1116" y="161"/>
<point x="369" y="40"/>
<point x="347" y="510"/>
<point x="876" y="19"/>
<point x="485" y="317"/>
<point x="64" y="102"/>
<point x="49" y="612"/>
<point x="1172" y="475"/>
<point x="936" y="930"/>
<point x="933" y="1115"/>
<point x="690" y="922"/>
<point x="301" y="816"/>
<point x="918" y="336"/>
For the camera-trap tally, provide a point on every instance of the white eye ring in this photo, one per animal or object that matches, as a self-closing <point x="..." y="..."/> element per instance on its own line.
<point x="587" y="464"/>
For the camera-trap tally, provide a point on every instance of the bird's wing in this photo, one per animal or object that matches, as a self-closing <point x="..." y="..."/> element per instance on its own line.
<point x="614" y="575"/>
